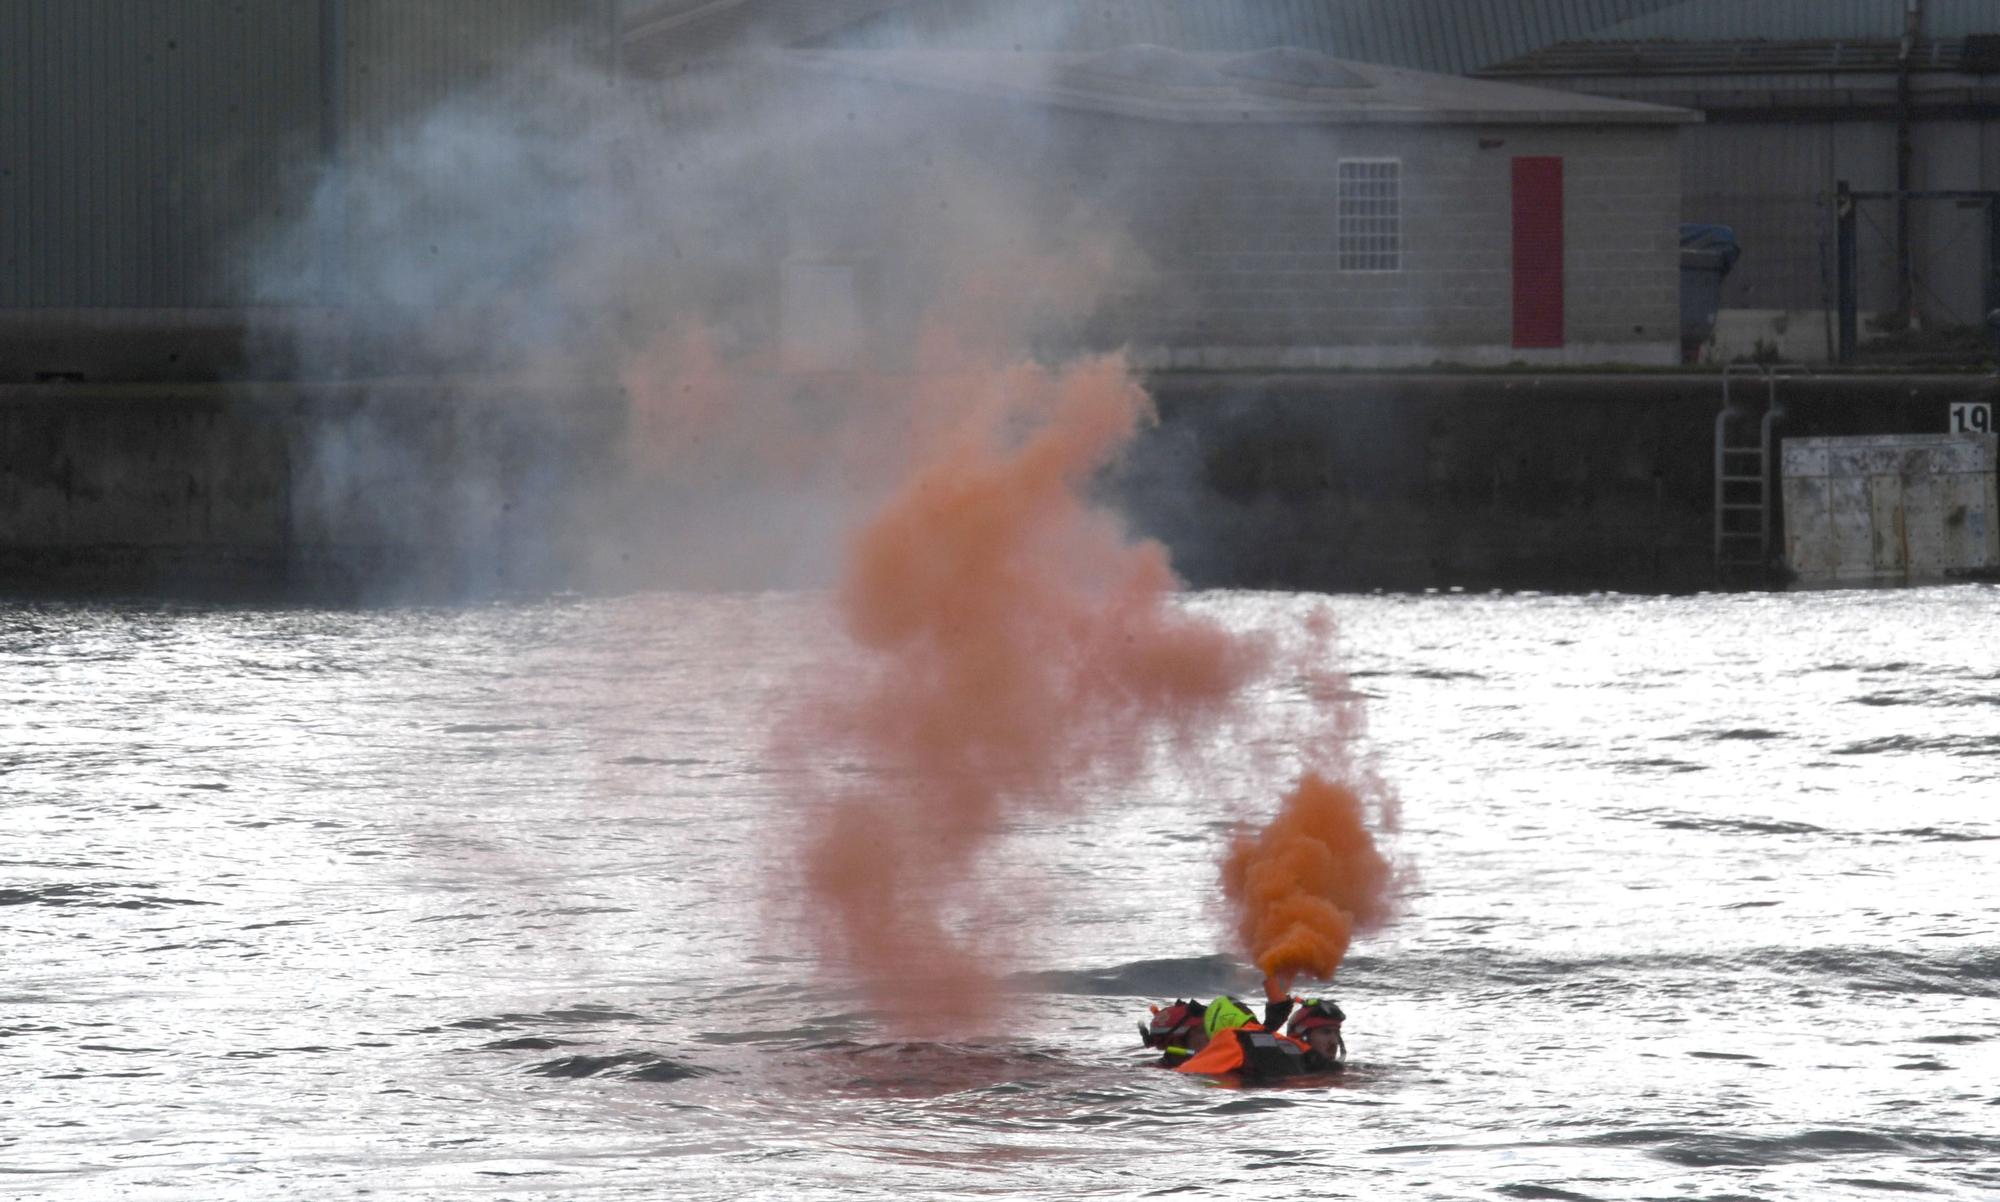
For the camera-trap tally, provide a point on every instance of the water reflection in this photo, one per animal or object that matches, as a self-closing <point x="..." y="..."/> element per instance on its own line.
<point x="472" y="903"/>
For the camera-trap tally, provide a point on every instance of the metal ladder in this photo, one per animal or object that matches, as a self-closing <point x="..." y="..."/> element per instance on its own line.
<point x="1744" y="500"/>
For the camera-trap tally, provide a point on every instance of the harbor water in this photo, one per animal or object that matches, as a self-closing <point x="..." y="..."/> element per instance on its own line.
<point x="1700" y="899"/>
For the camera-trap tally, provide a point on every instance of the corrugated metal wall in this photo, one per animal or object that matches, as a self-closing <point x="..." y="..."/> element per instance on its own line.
<point x="1771" y="181"/>
<point x="136" y="139"/>
<point x="144" y="144"/>
<point x="407" y="56"/>
<point x="1435" y="35"/>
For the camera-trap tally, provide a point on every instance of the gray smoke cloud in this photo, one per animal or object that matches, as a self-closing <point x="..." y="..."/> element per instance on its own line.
<point x="618" y="333"/>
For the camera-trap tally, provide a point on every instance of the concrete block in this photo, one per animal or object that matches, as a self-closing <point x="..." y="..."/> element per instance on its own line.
<point x="1890" y="508"/>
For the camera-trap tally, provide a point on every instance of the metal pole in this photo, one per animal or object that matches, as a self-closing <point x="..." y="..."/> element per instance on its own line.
<point x="1913" y="20"/>
<point x="332" y="148"/>
<point x="1844" y="258"/>
<point x="1992" y="317"/>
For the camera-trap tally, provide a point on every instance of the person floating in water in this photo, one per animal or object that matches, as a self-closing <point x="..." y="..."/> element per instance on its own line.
<point x="1222" y="1038"/>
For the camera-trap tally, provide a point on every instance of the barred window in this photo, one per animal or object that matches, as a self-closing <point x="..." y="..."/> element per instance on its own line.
<point x="1370" y="215"/>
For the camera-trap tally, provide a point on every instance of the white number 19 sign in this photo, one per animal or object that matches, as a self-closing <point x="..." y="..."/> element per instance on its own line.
<point x="1971" y="417"/>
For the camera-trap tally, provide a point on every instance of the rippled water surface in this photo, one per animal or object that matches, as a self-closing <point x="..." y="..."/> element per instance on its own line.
<point x="478" y="904"/>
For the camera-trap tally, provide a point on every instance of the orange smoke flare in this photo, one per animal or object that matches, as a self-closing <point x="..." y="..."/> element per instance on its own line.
<point x="1018" y="646"/>
<point x="1306" y="883"/>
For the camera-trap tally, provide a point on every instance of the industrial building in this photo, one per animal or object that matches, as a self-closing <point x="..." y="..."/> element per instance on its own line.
<point x="150" y="153"/>
<point x="1800" y="96"/>
<point x="1796" y="95"/>
<point x="419" y="317"/>
<point x="147" y="152"/>
<point x="1284" y="209"/>
<point x="179" y="180"/>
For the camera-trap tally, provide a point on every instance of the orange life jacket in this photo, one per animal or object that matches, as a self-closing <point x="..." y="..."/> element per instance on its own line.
<point x="1229" y="1051"/>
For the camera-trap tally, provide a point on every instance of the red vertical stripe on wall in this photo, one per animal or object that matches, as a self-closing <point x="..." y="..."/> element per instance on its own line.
<point x="1538" y="251"/>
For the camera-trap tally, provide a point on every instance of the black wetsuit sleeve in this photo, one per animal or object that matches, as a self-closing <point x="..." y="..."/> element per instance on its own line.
<point x="1276" y="1013"/>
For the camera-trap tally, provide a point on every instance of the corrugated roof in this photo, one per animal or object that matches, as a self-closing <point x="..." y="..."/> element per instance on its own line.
<point x="1798" y="20"/>
<point x="408" y="58"/>
<point x="1434" y="35"/>
<point x="675" y="31"/>
<point x="1268" y="86"/>
<point x="1457" y="36"/>
<point x="1437" y="35"/>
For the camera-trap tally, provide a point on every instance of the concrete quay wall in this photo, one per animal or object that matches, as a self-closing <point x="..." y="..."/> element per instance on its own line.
<point x="1559" y="481"/>
<point x="1332" y="481"/>
<point x="253" y="491"/>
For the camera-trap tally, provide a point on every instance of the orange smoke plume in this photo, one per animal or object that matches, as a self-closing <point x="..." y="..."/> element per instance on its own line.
<point x="1019" y="646"/>
<point x="1306" y="883"/>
